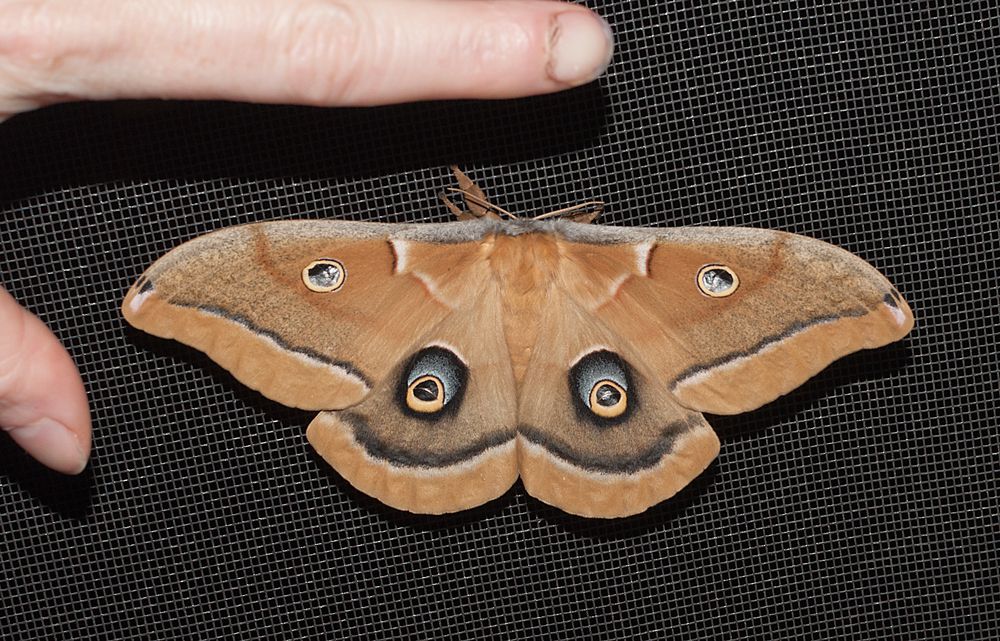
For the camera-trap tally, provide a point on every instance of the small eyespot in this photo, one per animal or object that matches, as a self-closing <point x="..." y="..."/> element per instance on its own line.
<point x="608" y="399"/>
<point x="425" y="395"/>
<point x="324" y="275"/>
<point x="717" y="281"/>
<point x="600" y="385"/>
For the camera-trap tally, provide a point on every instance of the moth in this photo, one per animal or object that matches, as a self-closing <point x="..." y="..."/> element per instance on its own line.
<point x="447" y="360"/>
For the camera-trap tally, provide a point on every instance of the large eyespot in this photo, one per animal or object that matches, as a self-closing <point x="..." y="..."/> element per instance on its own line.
<point x="324" y="275"/>
<point x="433" y="382"/>
<point x="599" y="383"/>
<point x="717" y="281"/>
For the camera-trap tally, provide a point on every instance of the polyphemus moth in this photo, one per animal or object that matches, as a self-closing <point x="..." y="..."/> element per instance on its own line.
<point x="449" y="359"/>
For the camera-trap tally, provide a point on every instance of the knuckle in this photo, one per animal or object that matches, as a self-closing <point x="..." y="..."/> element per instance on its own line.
<point x="34" y="48"/>
<point x="321" y="43"/>
<point x="30" y="37"/>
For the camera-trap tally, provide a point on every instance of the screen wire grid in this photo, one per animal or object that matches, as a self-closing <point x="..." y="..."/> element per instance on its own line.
<point x="864" y="505"/>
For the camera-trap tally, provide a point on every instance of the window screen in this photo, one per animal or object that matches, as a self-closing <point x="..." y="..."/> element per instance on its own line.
<point x="864" y="505"/>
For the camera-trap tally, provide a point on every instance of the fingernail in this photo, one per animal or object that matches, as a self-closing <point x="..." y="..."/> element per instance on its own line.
<point x="580" y="47"/>
<point x="53" y="444"/>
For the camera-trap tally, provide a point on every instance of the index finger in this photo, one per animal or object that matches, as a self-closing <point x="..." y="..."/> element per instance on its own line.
<point x="317" y="52"/>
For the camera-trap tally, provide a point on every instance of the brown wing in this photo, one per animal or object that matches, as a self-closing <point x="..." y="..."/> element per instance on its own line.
<point x="430" y="455"/>
<point x="240" y="295"/>
<point x="792" y="306"/>
<point x="600" y="436"/>
<point x="387" y="300"/>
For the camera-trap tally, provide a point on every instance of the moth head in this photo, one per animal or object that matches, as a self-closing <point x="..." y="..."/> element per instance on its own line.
<point x="324" y="275"/>
<point x="433" y="382"/>
<point x="717" y="281"/>
<point x="601" y="386"/>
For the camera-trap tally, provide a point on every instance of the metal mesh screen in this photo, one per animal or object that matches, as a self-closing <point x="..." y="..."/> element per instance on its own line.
<point x="865" y="505"/>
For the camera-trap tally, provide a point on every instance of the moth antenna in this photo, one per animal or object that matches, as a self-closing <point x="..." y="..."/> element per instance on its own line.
<point x="472" y="192"/>
<point x="482" y="202"/>
<point x="578" y="213"/>
<point x="456" y="210"/>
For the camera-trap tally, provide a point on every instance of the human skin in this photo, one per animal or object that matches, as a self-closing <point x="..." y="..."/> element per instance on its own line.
<point x="310" y="52"/>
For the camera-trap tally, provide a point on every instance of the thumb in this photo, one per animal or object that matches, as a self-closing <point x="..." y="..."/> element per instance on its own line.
<point x="43" y="405"/>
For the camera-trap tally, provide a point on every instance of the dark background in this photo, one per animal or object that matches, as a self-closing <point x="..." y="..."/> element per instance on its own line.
<point x="862" y="506"/>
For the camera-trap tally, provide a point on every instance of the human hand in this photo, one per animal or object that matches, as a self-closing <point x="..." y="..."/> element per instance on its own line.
<point x="312" y="52"/>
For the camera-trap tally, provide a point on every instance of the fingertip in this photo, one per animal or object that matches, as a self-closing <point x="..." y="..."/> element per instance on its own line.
<point x="54" y="445"/>
<point x="317" y="52"/>
<point x="581" y="45"/>
<point x="43" y="403"/>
